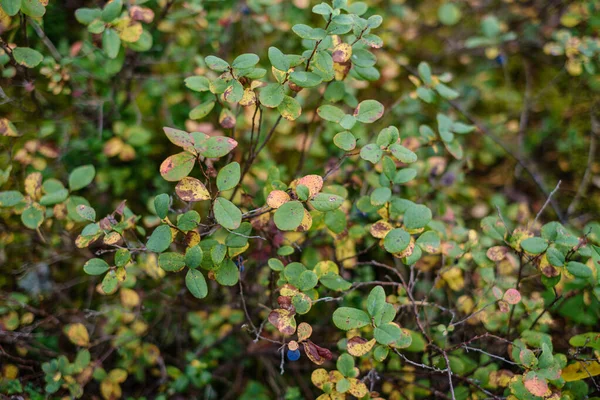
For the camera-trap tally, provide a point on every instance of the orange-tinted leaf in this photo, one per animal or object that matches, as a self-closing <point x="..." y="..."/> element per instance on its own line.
<point x="277" y="198"/>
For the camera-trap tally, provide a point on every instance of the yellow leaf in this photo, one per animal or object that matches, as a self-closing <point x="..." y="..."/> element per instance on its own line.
<point x="33" y="185"/>
<point x="324" y="267"/>
<point x="380" y="228"/>
<point x="6" y="127"/>
<point x="129" y="298"/>
<point x="304" y="331"/>
<point x="342" y="53"/>
<point x="580" y="370"/>
<point x="191" y="189"/>
<point x="358" y="346"/>
<point x="78" y="334"/>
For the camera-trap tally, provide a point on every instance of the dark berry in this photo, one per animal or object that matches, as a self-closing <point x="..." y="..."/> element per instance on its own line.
<point x="293" y="355"/>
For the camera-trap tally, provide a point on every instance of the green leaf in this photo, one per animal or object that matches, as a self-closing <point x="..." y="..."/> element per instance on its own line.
<point x="306" y="32"/>
<point x="85" y="16"/>
<point x="110" y="283"/>
<point x="425" y="72"/>
<point x="245" y="61"/>
<point x="330" y="113"/>
<point x="112" y="10"/>
<point x="385" y="314"/>
<point x="239" y="237"/>
<point x="404" y="175"/>
<point x="368" y="111"/>
<point x="122" y="257"/>
<point x="449" y="14"/>
<point x="33" y="8"/>
<point x="86" y="212"/>
<point x="33" y="216"/>
<point x="82" y="176"/>
<point x="590" y="339"/>
<point x="196" y="283"/>
<point x="402" y="153"/>
<point x="376" y="301"/>
<point x="178" y="166"/>
<point x="218" y="146"/>
<point x="271" y="95"/>
<point x="197" y="83"/>
<point x="371" y="152"/>
<point x="578" y="269"/>
<point x="417" y="216"/>
<point x="55" y="197"/>
<point x="447" y="93"/>
<point x="347" y="318"/>
<point x="429" y="241"/>
<point x="534" y="245"/>
<point x="202" y="110"/>
<point x="227" y="214"/>
<point x="275" y="264"/>
<point x="160" y="240"/>
<point x="216" y="63"/>
<point x="336" y="221"/>
<point x="193" y="256"/>
<point x="188" y="221"/>
<point x="278" y="59"/>
<point x="396" y="240"/>
<point x="289" y="216"/>
<point x="322" y="9"/>
<point x="387" y="334"/>
<point x="326" y="202"/>
<point x="289" y="108"/>
<point x="345" y="141"/>
<point x="171" y="261"/>
<point x="161" y="205"/>
<point x="27" y="57"/>
<point x="333" y="281"/>
<point x="307" y="280"/>
<point x="229" y="176"/>
<point x="554" y="256"/>
<point x="227" y="274"/>
<point x="11" y="7"/>
<point x="380" y="196"/>
<point x="234" y="92"/>
<point x="10" y="198"/>
<point x="345" y="364"/>
<point x="305" y="79"/>
<point x="111" y="43"/>
<point x="95" y="266"/>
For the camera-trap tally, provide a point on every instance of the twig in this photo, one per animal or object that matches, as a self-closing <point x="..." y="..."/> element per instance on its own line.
<point x="587" y="176"/>
<point x="548" y="200"/>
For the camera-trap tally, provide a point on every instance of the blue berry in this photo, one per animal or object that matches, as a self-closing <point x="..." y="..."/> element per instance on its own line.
<point x="500" y="59"/>
<point x="293" y="355"/>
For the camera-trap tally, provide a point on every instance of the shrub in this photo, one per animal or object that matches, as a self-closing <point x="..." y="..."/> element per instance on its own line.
<point x="318" y="228"/>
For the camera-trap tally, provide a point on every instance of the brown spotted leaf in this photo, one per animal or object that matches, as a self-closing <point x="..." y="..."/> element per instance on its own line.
<point x="277" y="198"/>
<point x="497" y="253"/>
<point x="304" y="331"/>
<point x="283" y="320"/>
<point x="358" y="346"/>
<point x="191" y="189"/>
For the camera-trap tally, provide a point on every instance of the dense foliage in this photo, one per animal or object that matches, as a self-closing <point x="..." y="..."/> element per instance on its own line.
<point x="293" y="199"/>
